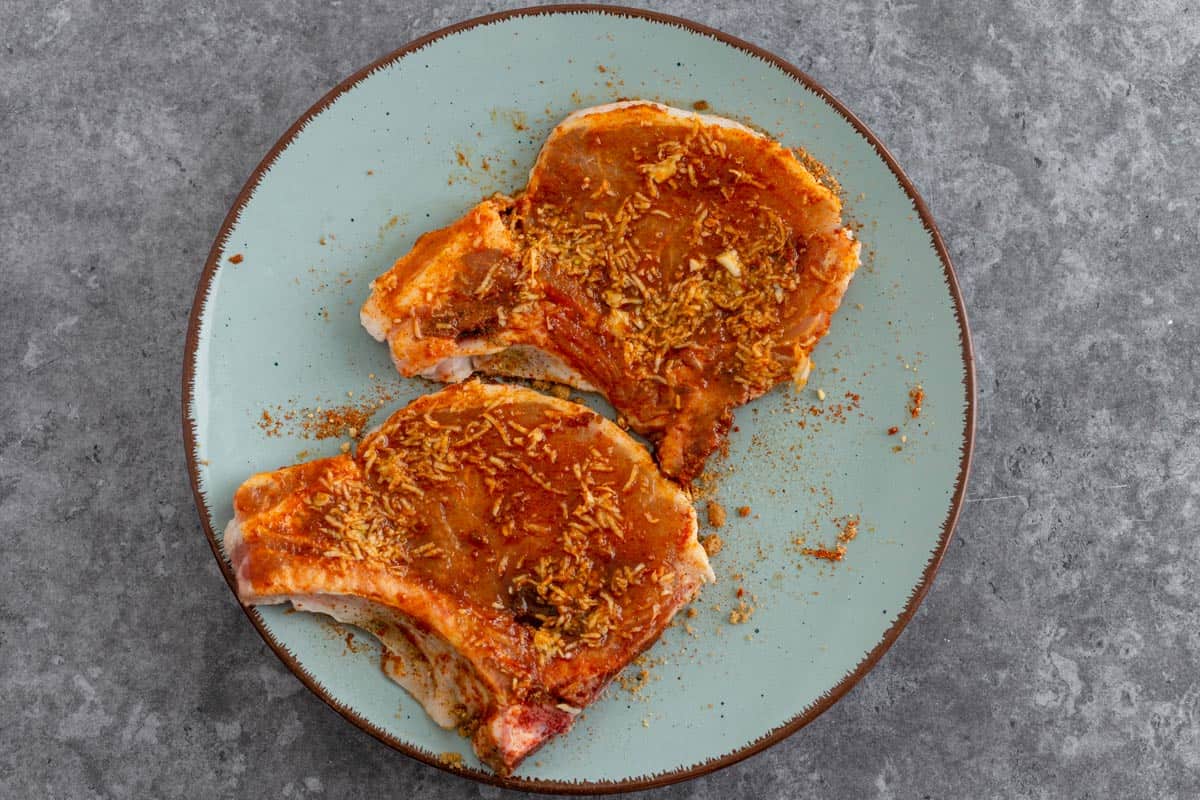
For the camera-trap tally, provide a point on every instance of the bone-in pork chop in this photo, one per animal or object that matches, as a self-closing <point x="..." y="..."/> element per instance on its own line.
<point x="511" y="551"/>
<point x="680" y="264"/>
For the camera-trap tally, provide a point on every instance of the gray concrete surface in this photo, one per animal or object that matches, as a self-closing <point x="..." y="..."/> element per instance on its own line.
<point x="1058" y="655"/>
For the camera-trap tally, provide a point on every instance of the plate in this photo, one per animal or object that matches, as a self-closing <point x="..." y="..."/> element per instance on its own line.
<point x="413" y="140"/>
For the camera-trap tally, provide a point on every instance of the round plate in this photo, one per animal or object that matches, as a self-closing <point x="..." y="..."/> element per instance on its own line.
<point x="411" y="142"/>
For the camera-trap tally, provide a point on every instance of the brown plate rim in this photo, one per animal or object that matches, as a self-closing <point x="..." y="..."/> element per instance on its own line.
<point x="771" y="737"/>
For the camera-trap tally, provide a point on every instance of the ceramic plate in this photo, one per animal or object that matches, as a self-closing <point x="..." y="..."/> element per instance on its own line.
<point x="415" y="139"/>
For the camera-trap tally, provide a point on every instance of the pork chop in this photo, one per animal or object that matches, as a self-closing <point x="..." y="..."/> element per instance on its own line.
<point x="511" y="551"/>
<point x="680" y="264"/>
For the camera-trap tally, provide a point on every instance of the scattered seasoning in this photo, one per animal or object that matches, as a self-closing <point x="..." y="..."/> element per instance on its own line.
<point x="849" y="529"/>
<point x="716" y="513"/>
<point x="830" y="411"/>
<point x="634" y="683"/>
<point x="346" y="420"/>
<point x="742" y="612"/>
<point x="450" y="759"/>
<point x="269" y="425"/>
<point x="836" y="554"/>
<point x="330" y="423"/>
<point x="892" y="431"/>
<point x="701" y="105"/>
<point x="705" y="484"/>
<point x="635" y="678"/>
<point x="818" y="170"/>
<point x="712" y="544"/>
<point x="916" y="397"/>
<point x="848" y="533"/>
<point x="743" y="511"/>
<point x="236" y="258"/>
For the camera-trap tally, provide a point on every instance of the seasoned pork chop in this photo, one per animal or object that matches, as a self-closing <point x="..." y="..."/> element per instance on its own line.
<point x="511" y="551"/>
<point x="680" y="264"/>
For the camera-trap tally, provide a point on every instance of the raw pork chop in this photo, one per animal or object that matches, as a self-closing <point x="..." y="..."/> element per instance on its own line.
<point x="512" y="552"/>
<point x="680" y="264"/>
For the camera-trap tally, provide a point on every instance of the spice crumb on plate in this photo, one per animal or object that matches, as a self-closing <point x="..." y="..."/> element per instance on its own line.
<point x="825" y="554"/>
<point x="636" y="682"/>
<point x="741" y="614"/>
<point x="716" y="513"/>
<point x="849" y="529"/>
<point x="848" y="533"/>
<point x="916" y="397"/>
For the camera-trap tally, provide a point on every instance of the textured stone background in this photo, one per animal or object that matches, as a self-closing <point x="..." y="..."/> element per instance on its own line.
<point x="1058" y="654"/>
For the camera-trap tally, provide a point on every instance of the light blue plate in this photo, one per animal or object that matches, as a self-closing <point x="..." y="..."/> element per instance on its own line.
<point x="379" y="160"/>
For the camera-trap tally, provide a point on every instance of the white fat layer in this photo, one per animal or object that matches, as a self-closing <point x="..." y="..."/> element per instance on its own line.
<point x="423" y="663"/>
<point x="699" y="558"/>
<point x="706" y="119"/>
<point x="450" y="370"/>
<point x="526" y="361"/>
<point x="231" y="543"/>
<point x="232" y="538"/>
<point x="373" y="321"/>
<point x="518" y="361"/>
